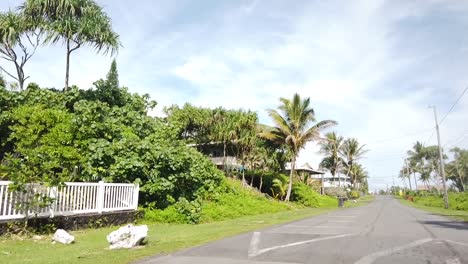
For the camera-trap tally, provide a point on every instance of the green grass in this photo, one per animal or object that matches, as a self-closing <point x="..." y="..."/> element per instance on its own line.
<point x="361" y="201"/>
<point x="91" y="245"/>
<point x="461" y="215"/>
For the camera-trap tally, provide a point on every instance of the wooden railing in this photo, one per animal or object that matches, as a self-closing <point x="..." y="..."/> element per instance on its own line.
<point x="70" y="199"/>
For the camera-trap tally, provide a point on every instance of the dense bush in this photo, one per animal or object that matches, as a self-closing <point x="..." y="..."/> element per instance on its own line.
<point x="303" y="194"/>
<point x="354" y="195"/>
<point x="230" y="200"/>
<point x="51" y="136"/>
<point x="457" y="201"/>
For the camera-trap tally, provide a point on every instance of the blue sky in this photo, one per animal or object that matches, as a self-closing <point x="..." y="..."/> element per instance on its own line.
<point x="374" y="66"/>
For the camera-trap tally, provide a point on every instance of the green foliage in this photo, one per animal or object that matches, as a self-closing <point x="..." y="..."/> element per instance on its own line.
<point x="230" y="200"/>
<point x="236" y="201"/>
<point x="292" y="128"/>
<point x="18" y="43"/>
<point x="354" y="195"/>
<point x="44" y="145"/>
<point x="457" y="201"/>
<point x="305" y="195"/>
<point x="3" y="82"/>
<point x="50" y="137"/>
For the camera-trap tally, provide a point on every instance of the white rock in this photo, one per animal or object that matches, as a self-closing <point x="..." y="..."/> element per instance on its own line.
<point x="127" y="236"/>
<point x="63" y="237"/>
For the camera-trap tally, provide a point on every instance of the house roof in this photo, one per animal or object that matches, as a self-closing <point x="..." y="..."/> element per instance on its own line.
<point x="305" y="167"/>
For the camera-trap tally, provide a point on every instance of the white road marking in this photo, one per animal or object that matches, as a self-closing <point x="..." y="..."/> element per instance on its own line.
<point x="374" y="256"/>
<point x="318" y="226"/>
<point x="333" y="226"/>
<point x="350" y="216"/>
<point x="307" y="233"/>
<point x="261" y="251"/>
<point x="253" y="248"/>
<point x="339" y="221"/>
<point x="453" y="261"/>
<point x="456" y="242"/>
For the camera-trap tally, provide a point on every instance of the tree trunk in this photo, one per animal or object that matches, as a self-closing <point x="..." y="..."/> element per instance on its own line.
<point x="323" y="186"/>
<point x="224" y="156"/>
<point x="20" y="74"/>
<point x="67" y="66"/>
<point x="415" y="181"/>
<point x="261" y="182"/>
<point x="293" y="166"/>
<point x="409" y="180"/>
<point x="462" y="184"/>
<point x="252" y="177"/>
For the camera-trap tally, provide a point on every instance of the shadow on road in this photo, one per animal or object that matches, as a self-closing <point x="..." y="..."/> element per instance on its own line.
<point x="447" y="224"/>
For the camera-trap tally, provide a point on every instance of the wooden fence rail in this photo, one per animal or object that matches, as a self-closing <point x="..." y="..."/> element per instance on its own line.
<point x="70" y="199"/>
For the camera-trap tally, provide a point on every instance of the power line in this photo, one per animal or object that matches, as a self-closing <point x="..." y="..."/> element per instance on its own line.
<point x="427" y="141"/>
<point x="397" y="137"/>
<point x="453" y="106"/>
<point x="458" y="140"/>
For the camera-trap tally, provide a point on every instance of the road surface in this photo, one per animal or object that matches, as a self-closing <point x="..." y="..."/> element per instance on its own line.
<point x="383" y="231"/>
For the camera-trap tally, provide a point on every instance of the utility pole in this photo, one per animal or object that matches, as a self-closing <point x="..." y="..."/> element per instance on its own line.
<point x="441" y="160"/>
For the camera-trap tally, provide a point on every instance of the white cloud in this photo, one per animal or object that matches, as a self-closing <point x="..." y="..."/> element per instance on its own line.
<point x="373" y="66"/>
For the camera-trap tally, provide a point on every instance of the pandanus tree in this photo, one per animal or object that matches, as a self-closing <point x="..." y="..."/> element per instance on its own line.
<point x="295" y="126"/>
<point x="352" y="151"/>
<point x="330" y="146"/>
<point x="19" y="39"/>
<point x="75" y="22"/>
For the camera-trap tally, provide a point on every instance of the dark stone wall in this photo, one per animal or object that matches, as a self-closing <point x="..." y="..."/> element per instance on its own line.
<point x="71" y="222"/>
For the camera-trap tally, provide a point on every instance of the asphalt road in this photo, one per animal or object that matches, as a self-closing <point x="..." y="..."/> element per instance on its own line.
<point x="384" y="231"/>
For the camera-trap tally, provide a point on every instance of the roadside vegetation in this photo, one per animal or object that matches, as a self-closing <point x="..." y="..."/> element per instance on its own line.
<point x="423" y="164"/>
<point x="103" y="133"/>
<point x="435" y="205"/>
<point x="91" y="245"/>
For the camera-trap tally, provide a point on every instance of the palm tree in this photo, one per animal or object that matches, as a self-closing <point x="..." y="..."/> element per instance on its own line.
<point x="293" y="128"/>
<point x="75" y="22"/>
<point x="19" y="40"/>
<point x="458" y="168"/>
<point x="416" y="160"/>
<point x="352" y="151"/>
<point x="330" y="146"/>
<point x="358" y="174"/>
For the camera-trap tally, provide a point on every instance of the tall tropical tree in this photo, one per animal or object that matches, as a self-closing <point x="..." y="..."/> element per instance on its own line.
<point x="352" y="151"/>
<point x="416" y="159"/>
<point x="77" y="23"/>
<point x="358" y="174"/>
<point x="457" y="169"/>
<point x="295" y="125"/>
<point x="330" y="146"/>
<point x="19" y="39"/>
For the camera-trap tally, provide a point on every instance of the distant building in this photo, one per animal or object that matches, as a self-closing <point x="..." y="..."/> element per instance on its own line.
<point x="215" y="152"/>
<point x="306" y="170"/>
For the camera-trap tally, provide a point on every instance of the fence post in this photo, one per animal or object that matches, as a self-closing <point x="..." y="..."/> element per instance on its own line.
<point x="53" y="196"/>
<point x="100" y="197"/>
<point x="136" y="190"/>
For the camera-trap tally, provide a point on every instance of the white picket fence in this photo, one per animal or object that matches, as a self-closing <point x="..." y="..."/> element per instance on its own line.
<point x="70" y="199"/>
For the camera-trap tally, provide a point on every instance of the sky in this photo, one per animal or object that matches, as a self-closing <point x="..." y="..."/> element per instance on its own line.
<point x="373" y="66"/>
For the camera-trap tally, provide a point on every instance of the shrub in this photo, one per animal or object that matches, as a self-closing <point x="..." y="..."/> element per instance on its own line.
<point x="230" y="200"/>
<point x="354" y="195"/>
<point x="305" y="195"/>
<point x="235" y="200"/>
<point x="168" y="215"/>
<point x="335" y="191"/>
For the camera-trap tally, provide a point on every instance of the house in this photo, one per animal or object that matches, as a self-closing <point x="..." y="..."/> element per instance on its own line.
<point x="215" y="152"/>
<point x="307" y="171"/>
